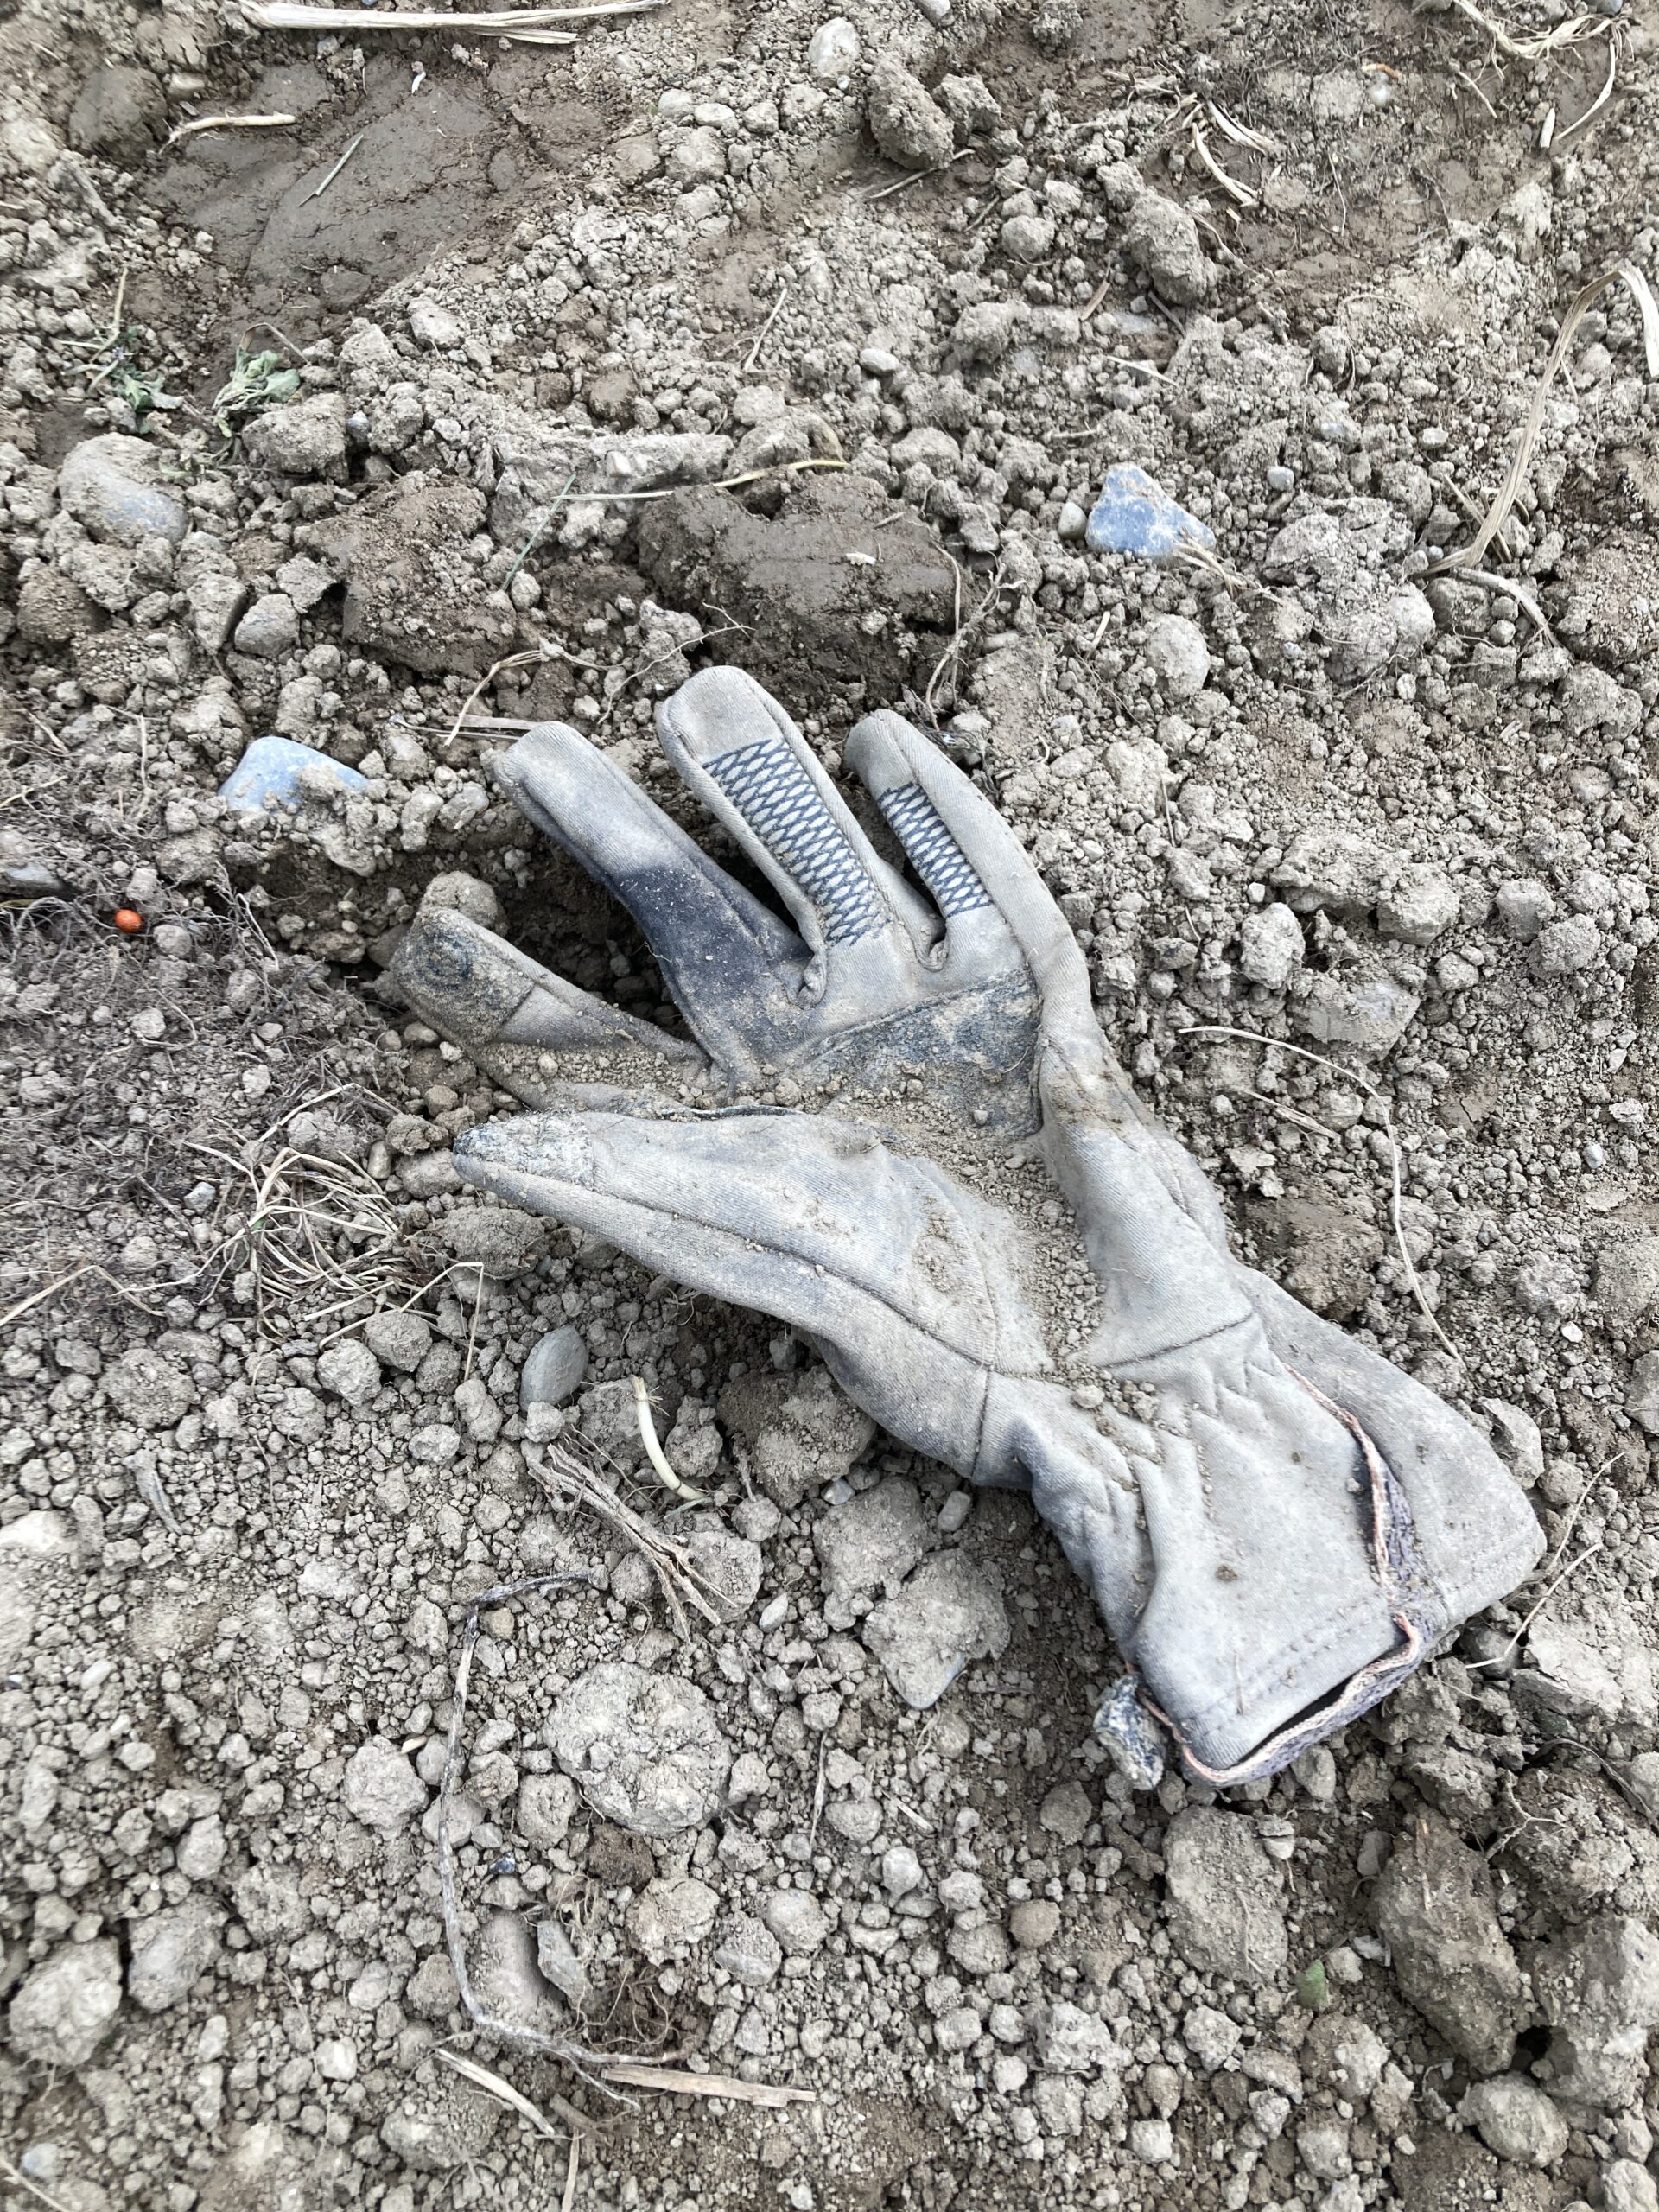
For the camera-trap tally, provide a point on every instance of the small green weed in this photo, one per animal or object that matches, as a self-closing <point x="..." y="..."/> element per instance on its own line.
<point x="258" y="381"/>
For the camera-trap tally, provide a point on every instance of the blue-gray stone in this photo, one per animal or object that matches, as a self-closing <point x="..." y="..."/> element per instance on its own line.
<point x="555" y="1369"/>
<point x="269" y="773"/>
<point x="1134" y="514"/>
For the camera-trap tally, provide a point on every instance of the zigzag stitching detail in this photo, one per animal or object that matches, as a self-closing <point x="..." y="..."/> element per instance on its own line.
<point x="939" y="860"/>
<point x="772" y="790"/>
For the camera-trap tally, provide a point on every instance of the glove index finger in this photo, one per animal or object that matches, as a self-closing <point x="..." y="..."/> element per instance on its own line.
<point x="722" y="953"/>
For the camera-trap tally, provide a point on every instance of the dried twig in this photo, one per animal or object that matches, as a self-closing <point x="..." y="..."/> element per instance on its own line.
<point x="536" y="534"/>
<point x="569" y="1483"/>
<point x="766" y="328"/>
<point x="16" y="2174"/>
<point x="1239" y="194"/>
<point x="720" y="483"/>
<point x="916" y="176"/>
<point x="512" y="660"/>
<point x="1508" y="587"/>
<point x="1625" y="273"/>
<point x="1574" y="32"/>
<point x="571" y="2164"/>
<point x="1596" y="104"/>
<point x="1396" y="1195"/>
<point x="534" y="25"/>
<point x="87" y="1268"/>
<point x="775" y="2096"/>
<point x="228" y="123"/>
<point x="960" y="631"/>
<point x="1256" y="142"/>
<point x="351" y="149"/>
<point x="1556" y="1580"/>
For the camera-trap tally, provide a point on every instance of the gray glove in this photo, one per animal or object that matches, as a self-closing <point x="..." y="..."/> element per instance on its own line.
<point x="1002" y="1259"/>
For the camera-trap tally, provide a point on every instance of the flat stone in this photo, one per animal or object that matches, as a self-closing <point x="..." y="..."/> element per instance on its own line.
<point x="645" y="1749"/>
<point x="949" y="1613"/>
<point x="1225" y="1896"/>
<point x="1134" y="514"/>
<point x="112" y="485"/>
<point x="269" y="773"/>
<point x="553" y="1372"/>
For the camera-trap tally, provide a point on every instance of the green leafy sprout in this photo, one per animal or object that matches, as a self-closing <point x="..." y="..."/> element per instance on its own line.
<point x="258" y="381"/>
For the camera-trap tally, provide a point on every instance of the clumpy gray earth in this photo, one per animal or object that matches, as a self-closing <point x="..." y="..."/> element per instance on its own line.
<point x="1361" y="848"/>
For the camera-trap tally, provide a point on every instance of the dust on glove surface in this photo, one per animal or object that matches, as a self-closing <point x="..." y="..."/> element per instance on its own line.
<point x="997" y="1252"/>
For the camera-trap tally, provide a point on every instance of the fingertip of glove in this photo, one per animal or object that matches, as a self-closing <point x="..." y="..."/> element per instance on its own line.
<point x="548" y="746"/>
<point x="879" y="749"/>
<point x="715" y="711"/>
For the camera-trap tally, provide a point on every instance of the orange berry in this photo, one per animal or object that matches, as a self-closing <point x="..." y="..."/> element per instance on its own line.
<point x="128" y="921"/>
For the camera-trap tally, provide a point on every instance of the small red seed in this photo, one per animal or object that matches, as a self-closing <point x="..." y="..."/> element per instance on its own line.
<point x="129" y="921"/>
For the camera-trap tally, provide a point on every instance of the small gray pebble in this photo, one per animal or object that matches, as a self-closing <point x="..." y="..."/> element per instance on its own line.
<point x="555" y="1369"/>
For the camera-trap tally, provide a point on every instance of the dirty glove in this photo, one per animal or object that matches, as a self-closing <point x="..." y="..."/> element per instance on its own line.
<point x="994" y="1251"/>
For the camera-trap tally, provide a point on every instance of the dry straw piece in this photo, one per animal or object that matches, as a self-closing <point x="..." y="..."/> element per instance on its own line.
<point x="1625" y="273"/>
<point x="535" y="26"/>
<point x="228" y="123"/>
<point x="773" y="2096"/>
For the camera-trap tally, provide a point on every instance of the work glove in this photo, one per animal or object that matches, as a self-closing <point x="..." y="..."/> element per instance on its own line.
<point x="900" y="1131"/>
